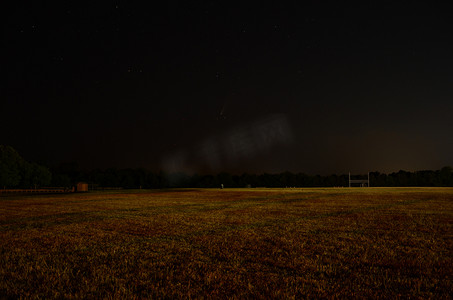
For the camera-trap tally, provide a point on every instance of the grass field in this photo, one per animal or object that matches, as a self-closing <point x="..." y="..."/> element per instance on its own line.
<point x="265" y="243"/>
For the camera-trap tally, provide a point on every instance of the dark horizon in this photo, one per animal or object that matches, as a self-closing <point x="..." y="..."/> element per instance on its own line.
<point x="212" y="87"/>
<point x="15" y="172"/>
<point x="67" y="168"/>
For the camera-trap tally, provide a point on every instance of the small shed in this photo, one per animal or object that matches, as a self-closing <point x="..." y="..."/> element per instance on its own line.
<point x="82" y="187"/>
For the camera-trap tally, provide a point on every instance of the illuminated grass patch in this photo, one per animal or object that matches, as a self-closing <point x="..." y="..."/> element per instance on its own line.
<point x="224" y="243"/>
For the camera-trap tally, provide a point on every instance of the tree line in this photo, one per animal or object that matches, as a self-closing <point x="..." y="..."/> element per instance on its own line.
<point x="16" y="172"/>
<point x="141" y="178"/>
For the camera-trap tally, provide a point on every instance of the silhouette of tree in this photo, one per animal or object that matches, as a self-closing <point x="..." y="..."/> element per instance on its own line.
<point x="17" y="172"/>
<point x="226" y="179"/>
<point x="446" y="176"/>
<point x="34" y="175"/>
<point x="10" y="163"/>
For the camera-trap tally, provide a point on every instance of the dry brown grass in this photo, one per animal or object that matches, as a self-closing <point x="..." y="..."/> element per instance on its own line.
<point x="265" y="243"/>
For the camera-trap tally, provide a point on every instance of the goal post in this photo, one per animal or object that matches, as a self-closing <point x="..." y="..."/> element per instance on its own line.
<point x="359" y="182"/>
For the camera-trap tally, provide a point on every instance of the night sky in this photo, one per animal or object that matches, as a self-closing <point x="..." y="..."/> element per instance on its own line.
<point x="212" y="86"/>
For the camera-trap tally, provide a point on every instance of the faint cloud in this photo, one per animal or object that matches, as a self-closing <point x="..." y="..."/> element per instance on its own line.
<point x="233" y="147"/>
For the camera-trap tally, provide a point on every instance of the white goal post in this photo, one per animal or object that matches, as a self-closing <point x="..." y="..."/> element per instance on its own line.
<point x="360" y="182"/>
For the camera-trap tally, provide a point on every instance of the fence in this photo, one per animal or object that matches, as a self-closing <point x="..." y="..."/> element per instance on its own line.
<point x="49" y="190"/>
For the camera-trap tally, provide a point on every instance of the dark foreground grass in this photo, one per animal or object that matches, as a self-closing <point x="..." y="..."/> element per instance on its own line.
<point x="372" y="242"/>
